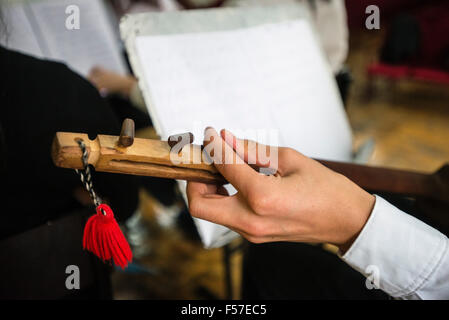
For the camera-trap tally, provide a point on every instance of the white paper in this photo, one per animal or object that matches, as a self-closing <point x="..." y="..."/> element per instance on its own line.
<point x="19" y="31"/>
<point x="271" y="77"/>
<point x="39" y="28"/>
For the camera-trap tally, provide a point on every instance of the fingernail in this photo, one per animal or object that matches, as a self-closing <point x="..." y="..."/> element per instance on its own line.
<point x="104" y="92"/>
<point x="224" y="134"/>
<point x="208" y="128"/>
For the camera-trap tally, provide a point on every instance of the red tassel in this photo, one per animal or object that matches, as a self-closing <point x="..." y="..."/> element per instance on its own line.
<point x="103" y="237"/>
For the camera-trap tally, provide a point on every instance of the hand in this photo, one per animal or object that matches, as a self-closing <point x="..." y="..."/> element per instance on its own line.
<point x="303" y="202"/>
<point x="110" y="82"/>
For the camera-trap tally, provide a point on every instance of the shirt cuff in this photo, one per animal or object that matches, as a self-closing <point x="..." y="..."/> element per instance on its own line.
<point x="398" y="249"/>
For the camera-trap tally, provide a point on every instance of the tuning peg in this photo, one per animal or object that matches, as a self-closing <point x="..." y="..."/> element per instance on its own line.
<point x="184" y="138"/>
<point x="126" y="138"/>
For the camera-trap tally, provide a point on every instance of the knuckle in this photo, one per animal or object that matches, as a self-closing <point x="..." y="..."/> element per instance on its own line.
<point x="254" y="240"/>
<point x="194" y="208"/>
<point x="287" y="152"/>
<point x="261" y="203"/>
<point x="257" y="230"/>
<point x="253" y="198"/>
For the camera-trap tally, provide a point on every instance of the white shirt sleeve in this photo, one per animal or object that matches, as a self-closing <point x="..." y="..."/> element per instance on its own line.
<point x="409" y="258"/>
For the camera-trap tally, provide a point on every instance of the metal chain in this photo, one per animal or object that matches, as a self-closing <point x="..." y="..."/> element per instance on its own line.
<point x="85" y="174"/>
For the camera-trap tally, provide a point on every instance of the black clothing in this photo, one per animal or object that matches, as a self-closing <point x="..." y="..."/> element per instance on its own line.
<point x="33" y="264"/>
<point x="300" y="271"/>
<point x="37" y="99"/>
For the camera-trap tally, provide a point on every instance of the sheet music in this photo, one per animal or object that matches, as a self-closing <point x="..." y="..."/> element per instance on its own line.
<point x="93" y="44"/>
<point x="19" y="31"/>
<point x="38" y="28"/>
<point x="255" y="78"/>
<point x="271" y="77"/>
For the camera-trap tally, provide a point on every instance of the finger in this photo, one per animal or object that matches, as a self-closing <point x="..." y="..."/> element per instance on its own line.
<point x="216" y="208"/>
<point x="228" y="163"/>
<point x="203" y="188"/>
<point x="254" y="153"/>
<point x="276" y="159"/>
<point x="92" y="77"/>
<point x="95" y="71"/>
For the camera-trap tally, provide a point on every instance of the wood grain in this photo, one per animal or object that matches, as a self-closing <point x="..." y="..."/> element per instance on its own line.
<point x="126" y="138"/>
<point x="394" y="181"/>
<point x="149" y="157"/>
<point x="145" y="157"/>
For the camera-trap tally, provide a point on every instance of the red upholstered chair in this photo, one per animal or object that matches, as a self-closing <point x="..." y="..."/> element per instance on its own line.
<point x="430" y="63"/>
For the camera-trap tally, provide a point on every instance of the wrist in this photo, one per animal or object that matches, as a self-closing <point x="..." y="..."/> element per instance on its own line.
<point x="363" y="206"/>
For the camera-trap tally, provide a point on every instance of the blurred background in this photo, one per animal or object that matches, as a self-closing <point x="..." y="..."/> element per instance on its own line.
<point x="394" y="82"/>
<point x="407" y="118"/>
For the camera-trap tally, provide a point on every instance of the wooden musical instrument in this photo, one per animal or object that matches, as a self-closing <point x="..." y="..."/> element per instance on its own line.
<point x="147" y="157"/>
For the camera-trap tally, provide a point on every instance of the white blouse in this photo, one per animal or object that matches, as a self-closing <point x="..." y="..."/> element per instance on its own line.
<point x="407" y="258"/>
